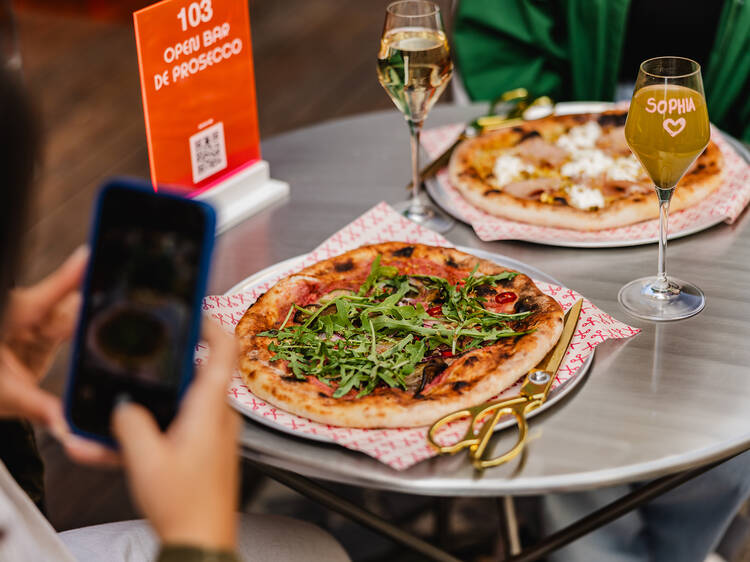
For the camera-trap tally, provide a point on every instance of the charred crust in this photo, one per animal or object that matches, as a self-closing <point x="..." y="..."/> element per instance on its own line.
<point x="322" y="395"/>
<point x="580" y="118"/>
<point x="561" y="201"/>
<point x="458" y="385"/>
<point x="518" y="129"/>
<point x="505" y="282"/>
<point x="469" y="361"/>
<point x="404" y="252"/>
<point x="524" y="304"/>
<point x="612" y="119"/>
<point x="292" y="379"/>
<point x="529" y="135"/>
<point x="492" y="192"/>
<point x="450" y="263"/>
<point x="484" y="290"/>
<point x="342" y="266"/>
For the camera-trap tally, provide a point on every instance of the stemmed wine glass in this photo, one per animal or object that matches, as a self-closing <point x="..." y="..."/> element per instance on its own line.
<point x="667" y="128"/>
<point x="414" y="66"/>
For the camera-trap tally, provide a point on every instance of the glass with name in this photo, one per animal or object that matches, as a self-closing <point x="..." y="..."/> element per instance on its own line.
<point x="414" y="67"/>
<point x="667" y="129"/>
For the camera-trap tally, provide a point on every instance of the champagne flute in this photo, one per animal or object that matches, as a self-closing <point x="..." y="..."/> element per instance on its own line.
<point x="667" y="128"/>
<point x="414" y="66"/>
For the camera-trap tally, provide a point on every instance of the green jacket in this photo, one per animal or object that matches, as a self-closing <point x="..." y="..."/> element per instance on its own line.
<point x="571" y="50"/>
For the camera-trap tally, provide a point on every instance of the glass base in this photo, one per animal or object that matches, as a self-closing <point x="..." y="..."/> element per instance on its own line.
<point x="425" y="215"/>
<point x="679" y="300"/>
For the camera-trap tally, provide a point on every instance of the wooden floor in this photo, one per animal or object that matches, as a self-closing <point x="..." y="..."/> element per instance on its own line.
<point x="315" y="60"/>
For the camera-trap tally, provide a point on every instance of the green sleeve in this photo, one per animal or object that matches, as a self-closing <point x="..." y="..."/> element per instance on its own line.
<point x="183" y="553"/>
<point x="569" y="50"/>
<point x="727" y="80"/>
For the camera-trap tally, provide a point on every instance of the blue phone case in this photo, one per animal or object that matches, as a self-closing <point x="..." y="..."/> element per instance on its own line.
<point x="186" y="376"/>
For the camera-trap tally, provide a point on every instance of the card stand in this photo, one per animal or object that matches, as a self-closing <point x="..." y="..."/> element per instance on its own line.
<point x="243" y="194"/>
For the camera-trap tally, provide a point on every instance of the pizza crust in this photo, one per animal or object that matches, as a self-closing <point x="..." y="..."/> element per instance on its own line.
<point x="473" y="158"/>
<point x="473" y="378"/>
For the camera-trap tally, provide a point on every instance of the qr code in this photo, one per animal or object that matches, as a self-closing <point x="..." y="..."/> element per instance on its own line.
<point x="208" y="152"/>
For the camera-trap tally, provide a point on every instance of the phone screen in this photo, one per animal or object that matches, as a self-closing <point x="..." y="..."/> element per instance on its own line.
<point x="138" y="321"/>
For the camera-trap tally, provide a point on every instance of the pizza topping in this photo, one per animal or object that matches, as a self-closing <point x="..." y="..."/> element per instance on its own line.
<point x="584" y="197"/>
<point x="532" y="189"/>
<point x="508" y="168"/>
<point x="538" y="151"/>
<point x="613" y="141"/>
<point x="356" y="341"/>
<point x="627" y="169"/>
<point x="505" y="297"/>
<point x="589" y="163"/>
<point x="580" y="138"/>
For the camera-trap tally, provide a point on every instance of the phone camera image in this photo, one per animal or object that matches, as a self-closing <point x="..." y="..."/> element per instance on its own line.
<point x="135" y="333"/>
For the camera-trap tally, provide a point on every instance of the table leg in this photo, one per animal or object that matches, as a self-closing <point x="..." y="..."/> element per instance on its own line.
<point x="508" y="527"/>
<point x="333" y="502"/>
<point x="610" y="512"/>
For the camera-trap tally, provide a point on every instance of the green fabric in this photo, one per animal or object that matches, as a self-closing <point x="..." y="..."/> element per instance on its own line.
<point x="185" y="553"/>
<point x="727" y="82"/>
<point x="571" y="50"/>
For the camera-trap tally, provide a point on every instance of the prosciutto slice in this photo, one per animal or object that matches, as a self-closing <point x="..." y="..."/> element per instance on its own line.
<point x="533" y="188"/>
<point x="535" y="150"/>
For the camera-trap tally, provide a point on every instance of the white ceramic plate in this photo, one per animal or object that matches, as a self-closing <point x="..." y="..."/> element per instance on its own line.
<point x="555" y="395"/>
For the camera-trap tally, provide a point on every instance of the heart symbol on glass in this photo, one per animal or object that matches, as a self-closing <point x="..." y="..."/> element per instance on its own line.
<point x="674" y="127"/>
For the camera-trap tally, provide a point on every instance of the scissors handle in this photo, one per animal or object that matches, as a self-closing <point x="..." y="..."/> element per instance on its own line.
<point x="519" y="412"/>
<point x="470" y="438"/>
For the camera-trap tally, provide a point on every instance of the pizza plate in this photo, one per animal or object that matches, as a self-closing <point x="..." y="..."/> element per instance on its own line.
<point x="439" y="194"/>
<point x="272" y="271"/>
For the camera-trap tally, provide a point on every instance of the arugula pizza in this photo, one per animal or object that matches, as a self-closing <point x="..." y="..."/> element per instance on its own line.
<point x="570" y="171"/>
<point x="394" y="335"/>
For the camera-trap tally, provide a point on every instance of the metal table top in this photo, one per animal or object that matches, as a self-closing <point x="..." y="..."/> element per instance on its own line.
<point x="675" y="396"/>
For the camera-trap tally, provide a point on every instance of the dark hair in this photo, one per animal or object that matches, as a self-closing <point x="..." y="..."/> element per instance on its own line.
<point x="19" y="145"/>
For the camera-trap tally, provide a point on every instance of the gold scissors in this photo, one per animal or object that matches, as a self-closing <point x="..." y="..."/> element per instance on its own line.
<point x="533" y="394"/>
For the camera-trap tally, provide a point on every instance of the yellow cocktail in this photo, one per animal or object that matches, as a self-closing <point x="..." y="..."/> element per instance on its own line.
<point x="667" y="128"/>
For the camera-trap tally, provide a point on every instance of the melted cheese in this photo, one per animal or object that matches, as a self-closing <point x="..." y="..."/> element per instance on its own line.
<point x="580" y="138"/>
<point x="626" y="168"/>
<point x="508" y="168"/>
<point x="584" y="197"/>
<point x="588" y="163"/>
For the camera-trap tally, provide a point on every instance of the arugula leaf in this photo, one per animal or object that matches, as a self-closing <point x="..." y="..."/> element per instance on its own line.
<point x="357" y="341"/>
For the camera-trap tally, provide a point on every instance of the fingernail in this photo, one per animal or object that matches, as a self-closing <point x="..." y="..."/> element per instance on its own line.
<point x="121" y="399"/>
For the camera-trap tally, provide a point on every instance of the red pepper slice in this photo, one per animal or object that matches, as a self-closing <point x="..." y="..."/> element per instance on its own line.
<point x="502" y="298"/>
<point x="446" y="353"/>
<point x="435" y="311"/>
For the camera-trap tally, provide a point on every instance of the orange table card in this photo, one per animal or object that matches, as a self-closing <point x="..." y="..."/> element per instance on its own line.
<point x="198" y="88"/>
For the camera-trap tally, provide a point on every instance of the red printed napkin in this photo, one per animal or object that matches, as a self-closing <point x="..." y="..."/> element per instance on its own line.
<point x="398" y="448"/>
<point x="725" y="204"/>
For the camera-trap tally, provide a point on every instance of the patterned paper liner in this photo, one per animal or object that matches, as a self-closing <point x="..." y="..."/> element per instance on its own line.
<point x="725" y="204"/>
<point x="398" y="448"/>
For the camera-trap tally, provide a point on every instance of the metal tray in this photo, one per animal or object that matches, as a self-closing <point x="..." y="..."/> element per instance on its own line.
<point x="555" y="396"/>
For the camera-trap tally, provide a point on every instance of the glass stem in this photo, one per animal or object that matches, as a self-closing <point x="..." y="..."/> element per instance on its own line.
<point x="415" y="206"/>
<point x="665" y="196"/>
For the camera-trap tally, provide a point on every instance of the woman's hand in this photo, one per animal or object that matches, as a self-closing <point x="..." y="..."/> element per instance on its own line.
<point x="37" y="320"/>
<point x="185" y="480"/>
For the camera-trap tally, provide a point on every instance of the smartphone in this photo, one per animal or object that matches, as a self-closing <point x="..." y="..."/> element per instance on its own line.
<point x="140" y="317"/>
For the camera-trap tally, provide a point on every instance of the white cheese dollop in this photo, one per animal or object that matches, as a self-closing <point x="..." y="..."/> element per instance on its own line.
<point x="626" y="168"/>
<point x="584" y="197"/>
<point x="508" y="168"/>
<point x="587" y="163"/>
<point x="581" y="137"/>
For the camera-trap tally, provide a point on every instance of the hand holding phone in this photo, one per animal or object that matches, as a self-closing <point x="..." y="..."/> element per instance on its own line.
<point x="197" y="453"/>
<point x="140" y="316"/>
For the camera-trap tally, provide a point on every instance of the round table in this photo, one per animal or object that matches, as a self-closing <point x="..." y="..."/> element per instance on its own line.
<point x="675" y="396"/>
